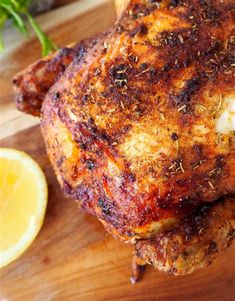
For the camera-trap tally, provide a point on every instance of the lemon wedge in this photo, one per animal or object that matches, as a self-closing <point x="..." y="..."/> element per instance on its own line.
<point x="23" y="199"/>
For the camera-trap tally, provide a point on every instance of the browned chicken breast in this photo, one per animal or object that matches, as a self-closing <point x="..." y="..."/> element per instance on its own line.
<point x="140" y="128"/>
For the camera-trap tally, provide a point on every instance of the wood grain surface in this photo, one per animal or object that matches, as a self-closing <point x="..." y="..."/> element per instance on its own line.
<point x="73" y="258"/>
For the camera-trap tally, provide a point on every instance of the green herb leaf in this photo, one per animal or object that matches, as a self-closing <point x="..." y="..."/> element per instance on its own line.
<point x="16" y="17"/>
<point x="47" y="44"/>
<point x="3" y="18"/>
<point x="16" y="10"/>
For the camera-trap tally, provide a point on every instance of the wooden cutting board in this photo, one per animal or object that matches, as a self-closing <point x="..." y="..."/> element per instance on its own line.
<point x="73" y="258"/>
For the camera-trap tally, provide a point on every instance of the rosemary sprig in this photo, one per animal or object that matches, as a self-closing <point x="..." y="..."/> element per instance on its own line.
<point x="17" y="11"/>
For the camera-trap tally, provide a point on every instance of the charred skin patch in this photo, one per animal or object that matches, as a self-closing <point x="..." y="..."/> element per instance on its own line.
<point x="190" y="88"/>
<point x="104" y="205"/>
<point x="141" y="29"/>
<point x="118" y="74"/>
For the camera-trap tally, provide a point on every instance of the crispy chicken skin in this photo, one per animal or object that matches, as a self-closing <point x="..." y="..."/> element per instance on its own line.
<point x="32" y="84"/>
<point x="194" y="243"/>
<point x="140" y="129"/>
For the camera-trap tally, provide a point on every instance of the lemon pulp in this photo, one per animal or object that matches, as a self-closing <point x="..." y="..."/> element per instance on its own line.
<point x="23" y="198"/>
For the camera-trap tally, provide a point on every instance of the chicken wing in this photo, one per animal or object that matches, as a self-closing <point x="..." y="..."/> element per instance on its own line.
<point x="32" y="84"/>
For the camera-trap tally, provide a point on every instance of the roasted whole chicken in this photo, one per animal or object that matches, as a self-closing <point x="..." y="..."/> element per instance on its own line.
<point x="139" y="126"/>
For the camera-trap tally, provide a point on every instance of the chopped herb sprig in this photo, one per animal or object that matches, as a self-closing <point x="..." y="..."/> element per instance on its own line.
<point x="18" y="13"/>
